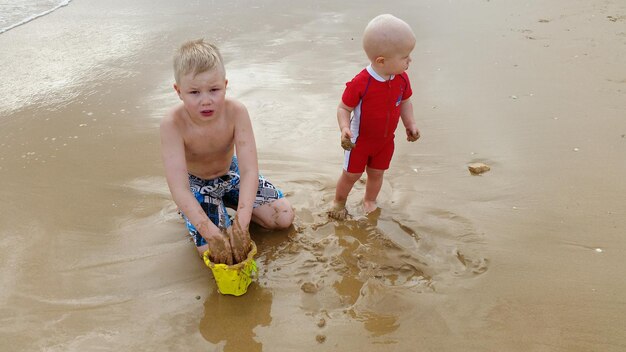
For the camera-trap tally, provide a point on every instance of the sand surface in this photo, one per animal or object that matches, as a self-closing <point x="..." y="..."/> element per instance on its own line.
<point x="526" y="257"/>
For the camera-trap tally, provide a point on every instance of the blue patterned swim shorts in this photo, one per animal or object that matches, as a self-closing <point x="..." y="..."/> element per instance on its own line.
<point x="217" y="194"/>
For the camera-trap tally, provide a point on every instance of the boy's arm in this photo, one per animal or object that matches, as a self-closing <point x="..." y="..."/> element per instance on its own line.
<point x="173" y="155"/>
<point x="245" y="147"/>
<point x="343" y="118"/>
<point x="406" y="113"/>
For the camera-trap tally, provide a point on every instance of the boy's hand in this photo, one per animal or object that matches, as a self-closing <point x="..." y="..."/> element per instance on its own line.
<point x="220" y="251"/>
<point x="346" y="139"/>
<point x="412" y="134"/>
<point x="239" y="241"/>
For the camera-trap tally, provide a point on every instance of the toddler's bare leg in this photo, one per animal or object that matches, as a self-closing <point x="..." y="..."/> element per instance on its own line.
<point x="372" y="188"/>
<point x="344" y="186"/>
<point x="275" y="215"/>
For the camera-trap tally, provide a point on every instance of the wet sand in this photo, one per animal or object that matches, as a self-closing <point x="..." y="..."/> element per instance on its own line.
<point x="525" y="257"/>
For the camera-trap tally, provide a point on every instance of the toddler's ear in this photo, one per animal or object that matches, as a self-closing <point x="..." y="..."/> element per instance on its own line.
<point x="225" y="83"/>
<point x="380" y="60"/>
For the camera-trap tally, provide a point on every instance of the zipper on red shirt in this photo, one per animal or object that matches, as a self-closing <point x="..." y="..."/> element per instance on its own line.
<point x="388" y="97"/>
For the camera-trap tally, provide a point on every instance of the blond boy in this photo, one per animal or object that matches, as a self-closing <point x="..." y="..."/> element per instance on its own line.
<point x="199" y="138"/>
<point x="376" y="98"/>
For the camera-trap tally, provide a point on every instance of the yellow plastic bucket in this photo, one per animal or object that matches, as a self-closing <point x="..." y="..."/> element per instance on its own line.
<point x="233" y="279"/>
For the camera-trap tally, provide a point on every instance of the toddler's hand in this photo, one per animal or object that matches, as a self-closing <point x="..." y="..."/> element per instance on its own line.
<point x="346" y="139"/>
<point x="412" y="134"/>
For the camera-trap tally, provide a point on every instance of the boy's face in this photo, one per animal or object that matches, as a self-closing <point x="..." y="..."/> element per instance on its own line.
<point x="203" y="94"/>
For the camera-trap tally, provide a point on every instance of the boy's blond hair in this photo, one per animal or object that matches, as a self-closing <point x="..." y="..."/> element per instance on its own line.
<point x="197" y="56"/>
<point x="384" y="34"/>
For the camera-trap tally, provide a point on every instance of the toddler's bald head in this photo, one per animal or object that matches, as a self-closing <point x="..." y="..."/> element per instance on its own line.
<point x="385" y="35"/>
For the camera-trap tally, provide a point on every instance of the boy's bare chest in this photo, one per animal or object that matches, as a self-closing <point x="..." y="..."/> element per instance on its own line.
<point x="209" y="140"/>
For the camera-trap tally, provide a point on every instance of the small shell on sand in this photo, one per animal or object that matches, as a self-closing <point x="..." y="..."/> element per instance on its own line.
<point x="478" y="168"/>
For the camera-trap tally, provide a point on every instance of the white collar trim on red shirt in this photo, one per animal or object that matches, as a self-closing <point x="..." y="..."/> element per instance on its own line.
<point x="376" y="76"/>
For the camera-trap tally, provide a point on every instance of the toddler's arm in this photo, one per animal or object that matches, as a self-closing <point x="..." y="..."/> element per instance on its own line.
<point x="343" y="118"/>
<point x="406" y="113"/>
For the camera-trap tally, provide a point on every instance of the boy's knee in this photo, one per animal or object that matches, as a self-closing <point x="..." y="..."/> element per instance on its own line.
<point x="284" y="215"/>
<point x="374" y="172"/>
<point x="276" y="215"/>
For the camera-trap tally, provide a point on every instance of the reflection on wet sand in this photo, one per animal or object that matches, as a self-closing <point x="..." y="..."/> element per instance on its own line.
<point x="230" y="321"/>
<point x="366" y="269"/>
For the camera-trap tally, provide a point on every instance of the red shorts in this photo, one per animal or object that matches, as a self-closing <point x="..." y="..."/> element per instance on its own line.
<point x="375" y="154"/>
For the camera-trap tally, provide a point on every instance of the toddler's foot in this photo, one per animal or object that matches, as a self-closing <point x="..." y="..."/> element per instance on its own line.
<point x="373" y="216"/>
<point x="338" y="212"/>
<point x="369" y="206"/>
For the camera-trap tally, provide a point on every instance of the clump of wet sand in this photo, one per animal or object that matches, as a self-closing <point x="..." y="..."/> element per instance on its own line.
<point x="478" y="168"/>
<point x="309" y="287"/>
<point x="347" y="144"/>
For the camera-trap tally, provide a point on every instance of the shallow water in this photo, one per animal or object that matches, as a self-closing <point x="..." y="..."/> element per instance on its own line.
<point x="526" y="257"/>
<point x="20" y="12"/>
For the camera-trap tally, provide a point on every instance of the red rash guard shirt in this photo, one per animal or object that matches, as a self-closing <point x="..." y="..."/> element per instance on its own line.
<point x="376" y="103"/>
